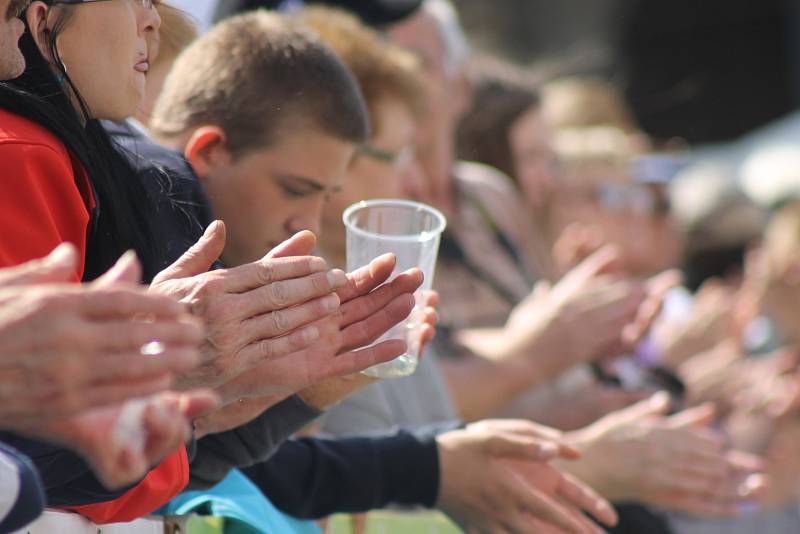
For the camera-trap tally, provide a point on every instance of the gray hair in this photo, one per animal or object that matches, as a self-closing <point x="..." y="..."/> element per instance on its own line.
<point x="454" y="40"/>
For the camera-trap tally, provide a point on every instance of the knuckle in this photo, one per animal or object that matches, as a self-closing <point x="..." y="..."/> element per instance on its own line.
<point x="265" y="272"/>
<point x="280" y="322"/>
<point x="266" y="349"/>
<point x="278" y="293"/>
<point x="319" y="282"/>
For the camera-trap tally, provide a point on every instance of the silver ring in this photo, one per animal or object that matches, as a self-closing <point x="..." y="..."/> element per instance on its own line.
<point x="154" y="348"/>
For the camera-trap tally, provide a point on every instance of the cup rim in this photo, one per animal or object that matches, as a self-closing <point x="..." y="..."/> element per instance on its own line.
<point x="394" y="202"/>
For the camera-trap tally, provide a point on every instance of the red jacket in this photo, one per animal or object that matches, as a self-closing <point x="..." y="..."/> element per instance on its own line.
<point x="46" y="200"/>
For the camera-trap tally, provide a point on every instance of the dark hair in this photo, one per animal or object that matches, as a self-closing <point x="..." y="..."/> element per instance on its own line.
<point x="502" y="93"/>
<point x="120" y="221"/>
<point x="256" y="75"/>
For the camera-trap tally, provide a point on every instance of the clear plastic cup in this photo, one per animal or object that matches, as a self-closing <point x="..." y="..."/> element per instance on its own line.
<point x="412" y="232"/>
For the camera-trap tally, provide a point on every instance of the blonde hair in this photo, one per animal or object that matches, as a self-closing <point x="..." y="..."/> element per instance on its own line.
<point x="596" y="144"/>
<point x="578" y="102"/>
<point x="383" y="70"/>
<point x="177" y="32"/>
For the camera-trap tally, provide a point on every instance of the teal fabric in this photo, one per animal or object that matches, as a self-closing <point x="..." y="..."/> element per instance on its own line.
<point x="246" y="510"/>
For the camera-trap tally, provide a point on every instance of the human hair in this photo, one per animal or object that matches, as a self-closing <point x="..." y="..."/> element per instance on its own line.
<point x="44" y="94"/>
<point x="579" y="102"/>
<point x="576" y="147"/>
<point x="257" y="75"/>
<point x="502" y="93"/>
<point x="177" y="32"/>
<point x="382" y="70"/>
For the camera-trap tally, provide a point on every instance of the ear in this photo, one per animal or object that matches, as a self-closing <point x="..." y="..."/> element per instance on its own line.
<point x="36" y="17"/>
<point x="206" y="150"/>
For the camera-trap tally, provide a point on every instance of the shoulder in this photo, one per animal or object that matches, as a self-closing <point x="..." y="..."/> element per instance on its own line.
<point x="482" y="180"/>
<point x="17" y="131"/>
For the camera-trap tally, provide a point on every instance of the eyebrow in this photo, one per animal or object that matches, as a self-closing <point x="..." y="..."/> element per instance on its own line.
<point x="308" y="182"/>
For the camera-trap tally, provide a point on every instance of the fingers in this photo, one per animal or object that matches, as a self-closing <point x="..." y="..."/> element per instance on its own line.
<point x="200" y="257"/>
<point x="585" y="498"/>
<point x="127" y="270"/>
<point x="356" y="361"/>
<point x="301" y="244"/>
<point x="658" y="404"/>
<point x="364" y="332"/>
<point x="115" y="393"/>
<point x="286" y="293"/>
<point x="541" y="506"/>
<point x="362" y="307"/>
<point x="363" y="280"/>
<point x="279" y="322"/>
<point x="130" y="336"/>
<point x="264" y="350"/>
<point x="605" y="260"/>
<point x="699" y="416"/>
<point x="59" y="266"/>
<point x="198" y="403"/>
<point x="266" y="271"/>
<point x="133" y="365"/>
<point x="106" y="303"/>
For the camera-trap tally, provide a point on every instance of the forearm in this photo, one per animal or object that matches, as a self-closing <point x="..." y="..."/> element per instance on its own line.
<point x="248" y="444"/>
<point x="313" y="478"/>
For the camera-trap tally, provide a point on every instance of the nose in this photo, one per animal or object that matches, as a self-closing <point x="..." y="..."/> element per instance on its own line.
<point x="150" y="21"/>
<point x="306" y="221"/>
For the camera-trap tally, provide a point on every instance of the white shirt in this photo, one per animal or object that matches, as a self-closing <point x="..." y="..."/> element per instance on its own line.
<point x="9" y="484"/>
<point x="202" y="11"/>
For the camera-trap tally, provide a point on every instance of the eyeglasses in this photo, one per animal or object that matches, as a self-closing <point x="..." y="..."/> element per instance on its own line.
<point x="147" y="4"/>
<point x="399" y="160"/>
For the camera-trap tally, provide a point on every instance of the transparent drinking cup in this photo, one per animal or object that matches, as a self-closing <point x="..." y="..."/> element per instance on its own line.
<point x="412" y="231"/>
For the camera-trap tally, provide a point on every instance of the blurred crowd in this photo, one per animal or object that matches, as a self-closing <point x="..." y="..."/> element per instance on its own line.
<point x="610" y="346"/>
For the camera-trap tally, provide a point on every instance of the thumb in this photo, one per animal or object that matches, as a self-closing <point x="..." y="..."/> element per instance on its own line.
<point x="58" y="266"/>
<point x="604" y="261"/>
<point x="199" y="258"/>
<point x="127" y="270"/>
<point x="658" y="404"/>
<point x="300" y="244"/>
<point x="698" y="416"/>
<point x="198" y="403"/>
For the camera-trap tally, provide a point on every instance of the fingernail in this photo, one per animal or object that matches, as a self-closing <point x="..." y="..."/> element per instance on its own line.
<point x="337" y="278"/>
<point x="330" y="303"/>
<point x="548" y="450"/>
<point x="211" y="228"/>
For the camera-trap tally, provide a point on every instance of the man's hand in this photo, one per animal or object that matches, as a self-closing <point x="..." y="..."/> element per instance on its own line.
<point x="71" y="347"/>
<point x="366" y="313"/>
<point x="675" y="462"/>
<point x="509" y="484"/>
<point x="124" y="441"/>
<point x="253" y="313"/>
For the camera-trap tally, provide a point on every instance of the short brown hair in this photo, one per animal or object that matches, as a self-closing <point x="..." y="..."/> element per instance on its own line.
<point x="383" y="70"/>
<point x="255" y="75"/>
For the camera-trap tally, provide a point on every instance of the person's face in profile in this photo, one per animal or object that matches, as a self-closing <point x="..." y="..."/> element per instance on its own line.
<point x="12" y="63"/>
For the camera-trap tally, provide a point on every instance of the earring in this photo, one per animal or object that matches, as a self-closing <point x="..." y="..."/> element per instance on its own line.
<point x="60" y="78"/>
